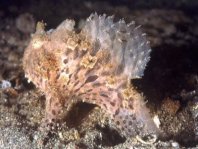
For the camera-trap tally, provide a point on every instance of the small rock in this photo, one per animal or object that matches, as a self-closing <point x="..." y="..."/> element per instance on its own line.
<point x="25" y="23"/>
<point x="5" y="84"/>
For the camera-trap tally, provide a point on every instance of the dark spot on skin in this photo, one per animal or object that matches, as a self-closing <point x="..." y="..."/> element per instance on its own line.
<point x="104" y="95"/>
<point x="76" y="90"/>
<point x="124" y="122"/>
<point x="57" y="76"/>
<point x="130" y="122"/>
<point x="80" y="93"/>
<point x="121" y="106"/>
<point x="129" y="130"/>
<point x="112" y="103"/>
<point x="117" y="122"/>
<point x="48" y="73"/>
<point x="70" y="76"/>
<point x="76" y="82"/>
<point x="57" y="69"/>
<point x="76" y="73"/>
<point x="105" y="106"/>
<point x="75" y="54"/>
<point x="67" y="70"/>
<point x="110" y="89"/>
<point x="130" y="106"/>
<point x="56" y="104"/>
<point x="47" y="121"/>
<point x="68" y="51"/>
<point x="117" y="111"/>
<point x="96" y="84"/>
<point x="82" y="53"/>
<point x="105" y="73"/>
<point x="68" y="81"/>
<point x="89" y="90"/>
<point x="88" y="72"/>
<point x="120" y="95"/>
<point x="53" y="112"/>
<point x="58" y="112"/>
<point x="121" y="117"/>
<point x="40" y="79"/>
<point x="95" y="94"/>
<point x="65" y="61"/>
<point x="82" y="85"/>
<point x="91" y="78"/>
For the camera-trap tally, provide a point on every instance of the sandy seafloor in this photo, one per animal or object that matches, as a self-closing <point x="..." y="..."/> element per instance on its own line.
<point x="170" y="82"/>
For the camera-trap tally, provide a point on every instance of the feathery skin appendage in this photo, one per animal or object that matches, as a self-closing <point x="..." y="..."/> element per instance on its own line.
<point x="93" y="66"/>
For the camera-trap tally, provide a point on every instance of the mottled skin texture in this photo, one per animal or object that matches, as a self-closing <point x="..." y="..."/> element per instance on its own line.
<point x="67" y="68"/>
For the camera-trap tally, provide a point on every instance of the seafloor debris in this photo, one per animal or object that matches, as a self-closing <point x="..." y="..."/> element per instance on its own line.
<point x="5" y="84"/>
<point x="94" y="65"/>
<point x="25" y="23"/>
<point x="170" y="106"/>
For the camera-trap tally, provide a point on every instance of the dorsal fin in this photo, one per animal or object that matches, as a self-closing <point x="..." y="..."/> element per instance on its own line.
<point x="127" y="44"/>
